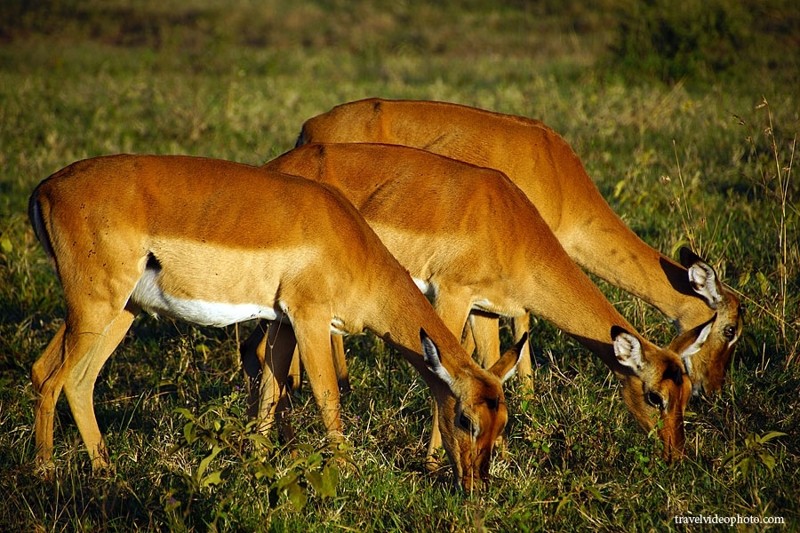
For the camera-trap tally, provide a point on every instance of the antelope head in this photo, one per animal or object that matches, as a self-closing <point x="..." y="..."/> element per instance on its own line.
<point x="706" y="350"/>
<point x="472" y="414"/>
<point x="656" y="391"/>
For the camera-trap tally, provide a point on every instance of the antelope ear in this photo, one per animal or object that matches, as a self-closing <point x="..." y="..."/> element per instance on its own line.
<point x="702" y="277"/>
<point x="432" y="360"/>
<point x="506" y="366"/>
<point x="702" y="336"/>
<point x="627" y="349"/>
<point x="687" y="257"/>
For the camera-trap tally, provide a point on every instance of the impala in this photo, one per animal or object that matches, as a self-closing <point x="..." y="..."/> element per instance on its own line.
<point x="474" y="242"/>
<point x="216" y="243"/>
<point x="543" y="165"/>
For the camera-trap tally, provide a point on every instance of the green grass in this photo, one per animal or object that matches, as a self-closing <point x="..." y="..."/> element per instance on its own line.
<point x="699" y="160"/>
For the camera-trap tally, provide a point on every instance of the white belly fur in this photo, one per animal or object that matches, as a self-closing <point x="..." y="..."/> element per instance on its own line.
<point x="150" y="297"/>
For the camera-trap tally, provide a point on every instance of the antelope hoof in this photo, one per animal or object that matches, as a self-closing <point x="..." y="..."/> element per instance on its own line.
<point x="45" y="468"/>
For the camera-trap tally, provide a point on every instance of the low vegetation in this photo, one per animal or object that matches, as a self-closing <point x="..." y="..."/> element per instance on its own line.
<point x="689" y="133"/>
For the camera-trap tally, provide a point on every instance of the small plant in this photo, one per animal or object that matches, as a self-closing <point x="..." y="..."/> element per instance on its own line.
<point x="234" y="452"/>
<point x="583" y="492"/>
<point x="756" y="451"/>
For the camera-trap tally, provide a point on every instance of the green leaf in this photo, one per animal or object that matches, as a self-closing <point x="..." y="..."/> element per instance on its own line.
<point x="564" y="501"/>
<point x="744" y="466"/>
<point x="296" y="495"/>
<point x="314" y="459"/>
<point x="286" y="480"/>
<point x="315" y="478"/>
<point x="185" y="413"/>
<point x="214" y="478"/>
<point x="767" y="459"/>
<point x="261" y="442"/>
<point x="5" y="244"/>
<point x="189" y="432"/>
<point x="769" y="436"/>
<point x="744" y="278"/>
<point x="763" y="283"/>
<point x="264" y="471"/>
<point x="595" y="493"/>
<point x="206" y="461"/>
<point x="330" y="479"/>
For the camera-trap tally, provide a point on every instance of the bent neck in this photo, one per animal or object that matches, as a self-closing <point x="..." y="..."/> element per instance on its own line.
<point x="645" y="273"/>
<point x="399" y="323"/>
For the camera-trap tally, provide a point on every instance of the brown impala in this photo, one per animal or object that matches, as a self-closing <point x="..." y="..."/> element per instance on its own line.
<point x="473" y="242"/>
<point x="544" y="166"/>
<point x="215" y="243"/>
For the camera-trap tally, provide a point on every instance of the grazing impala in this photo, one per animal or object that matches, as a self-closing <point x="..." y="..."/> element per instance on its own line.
<point x="544" y="166"/>
<point x="473" y="241"/>
<point x="215" y="243"/>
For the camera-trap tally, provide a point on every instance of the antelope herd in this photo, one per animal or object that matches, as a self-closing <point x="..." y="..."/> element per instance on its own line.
<point x="422" y="222"/>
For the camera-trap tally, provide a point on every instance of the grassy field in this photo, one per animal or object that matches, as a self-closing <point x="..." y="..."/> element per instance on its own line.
<point x="688" y="125"/>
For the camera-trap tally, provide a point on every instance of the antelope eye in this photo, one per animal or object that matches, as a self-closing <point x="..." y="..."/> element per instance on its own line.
<point x="655" y="400"/>
<point x="465" y="423"/>
<point x="729" y="332"/>
<point x="492" y="403"/>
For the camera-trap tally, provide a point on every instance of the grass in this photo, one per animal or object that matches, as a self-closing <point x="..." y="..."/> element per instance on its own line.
<point x="707" y="159"/>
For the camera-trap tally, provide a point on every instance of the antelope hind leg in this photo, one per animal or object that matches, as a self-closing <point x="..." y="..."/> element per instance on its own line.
<point x="80" y="382"/>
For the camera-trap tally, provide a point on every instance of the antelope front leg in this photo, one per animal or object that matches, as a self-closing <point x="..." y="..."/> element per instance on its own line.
<point x="313" y="341"/>
<point x="342" y="374"/>
<point x="295" y="377"/>
<point x="252" y="353"/>
<point x="266" y="359"/>
<point x="486" y="334"/>
<point x="337" y="349"/>
<point x="521" y="326"/>
<point x="280" y="352"/>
